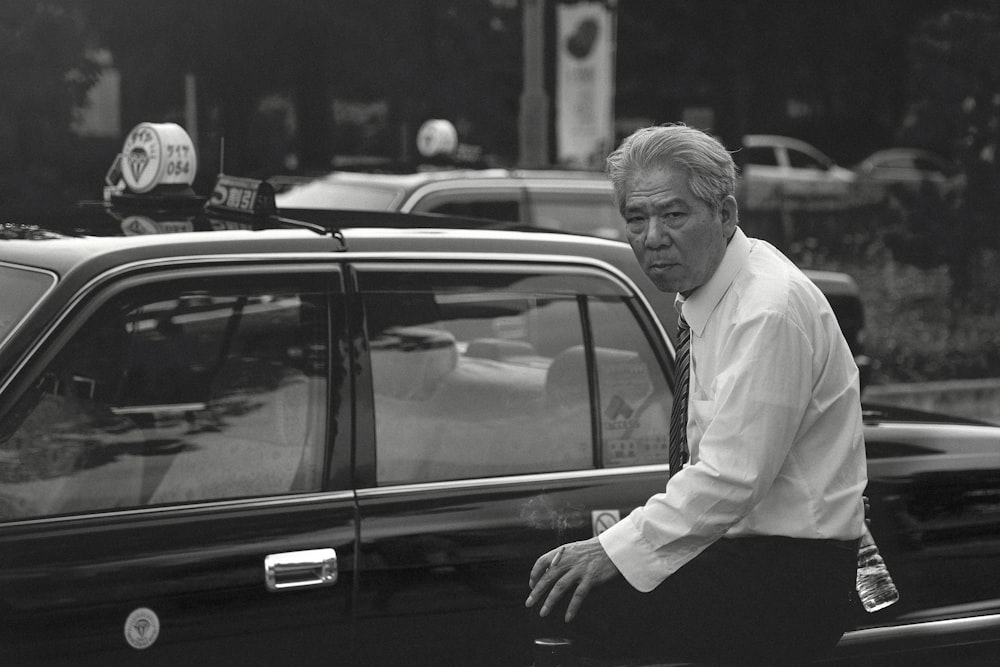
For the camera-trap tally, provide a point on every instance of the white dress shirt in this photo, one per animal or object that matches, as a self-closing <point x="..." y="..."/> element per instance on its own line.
<point x="774" y="422"/>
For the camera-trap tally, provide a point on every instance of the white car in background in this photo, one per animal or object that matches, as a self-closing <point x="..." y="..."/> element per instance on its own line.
<point x="909" y="170"/>
<point x="785" y="173"/>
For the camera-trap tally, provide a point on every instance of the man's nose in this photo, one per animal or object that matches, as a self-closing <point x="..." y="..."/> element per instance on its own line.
<point x="657" y="234"/>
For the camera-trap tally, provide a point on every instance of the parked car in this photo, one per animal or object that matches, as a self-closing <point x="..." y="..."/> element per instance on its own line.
<point x="907" y="171"/>
<point x="257" y="439"/>
<point x="570" y="201"/>
<point x="576" y="201"/>
<point x="786" y="173"/>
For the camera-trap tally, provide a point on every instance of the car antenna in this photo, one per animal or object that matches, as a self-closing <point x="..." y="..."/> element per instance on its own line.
<point x="322" y="230"/>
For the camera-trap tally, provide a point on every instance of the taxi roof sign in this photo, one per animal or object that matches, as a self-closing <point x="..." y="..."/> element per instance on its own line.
<point x="246" y="196"/>
<point x="157" y="154"/>
<point x="437" y="137"/>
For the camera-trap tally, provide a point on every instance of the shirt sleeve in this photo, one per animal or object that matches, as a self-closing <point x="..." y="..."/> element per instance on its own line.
<point x="753" y="409"/>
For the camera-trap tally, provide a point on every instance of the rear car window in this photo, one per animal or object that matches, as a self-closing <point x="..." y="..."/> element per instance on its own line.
<point x="175" y="392"/>
<point x="326" y="194"/>
<point x="592" y="214"/>
<point x="760" y="155"/>
<point x="502" y="210"/>
<point x="22" y="288"/>
<point x="479" y="375"/>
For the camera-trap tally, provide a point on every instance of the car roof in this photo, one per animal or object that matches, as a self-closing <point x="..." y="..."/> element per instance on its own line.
<point x="396" y="187"/>
<point x="755" y="140"/>
<point x="79" y="256"/>
<point x="94" y="238"/>
<point x="416" y="177"/>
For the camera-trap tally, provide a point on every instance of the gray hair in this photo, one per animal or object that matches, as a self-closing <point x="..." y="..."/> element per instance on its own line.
<point x="710" y="167"/>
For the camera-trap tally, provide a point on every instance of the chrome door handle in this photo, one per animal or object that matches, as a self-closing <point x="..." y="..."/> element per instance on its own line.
<point x="299" y="569"/>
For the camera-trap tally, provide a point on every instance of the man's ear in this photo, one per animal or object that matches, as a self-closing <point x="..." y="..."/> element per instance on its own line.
<point x="730" y="215"/>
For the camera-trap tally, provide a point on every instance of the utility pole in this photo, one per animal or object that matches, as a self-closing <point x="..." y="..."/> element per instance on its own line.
<point x="533" y="124"/>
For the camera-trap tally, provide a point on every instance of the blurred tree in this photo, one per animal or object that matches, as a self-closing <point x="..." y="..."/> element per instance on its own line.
<point x="421" y="59"/>
<point x="46" y="74"/>
<point x="824" y="72"/>
<point x="954" y="108"/>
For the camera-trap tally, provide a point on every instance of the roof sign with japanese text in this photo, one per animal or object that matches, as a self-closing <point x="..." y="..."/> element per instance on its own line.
<point x="157" y="154"/>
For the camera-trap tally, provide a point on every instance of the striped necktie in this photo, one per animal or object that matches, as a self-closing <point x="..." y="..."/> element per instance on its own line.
<point x="678" y="453"/>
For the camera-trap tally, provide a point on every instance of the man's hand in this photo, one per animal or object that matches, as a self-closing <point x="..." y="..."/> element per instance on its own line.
<point x="576" y="567"/>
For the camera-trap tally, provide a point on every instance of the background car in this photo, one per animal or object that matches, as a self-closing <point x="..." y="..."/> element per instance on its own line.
<point x="786" y="173"/>
<point x="231" y="440"/>
<point x="581" y="202"/>
<point x="908" y="171"/>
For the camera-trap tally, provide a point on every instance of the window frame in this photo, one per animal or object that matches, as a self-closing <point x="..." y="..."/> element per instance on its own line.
<point x="366" y="468"/>
<point x="87" y="302"/>
<point x="473" y="191"/>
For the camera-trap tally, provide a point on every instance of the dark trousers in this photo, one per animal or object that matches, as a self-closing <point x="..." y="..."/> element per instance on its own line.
<point x="767" y="600"/>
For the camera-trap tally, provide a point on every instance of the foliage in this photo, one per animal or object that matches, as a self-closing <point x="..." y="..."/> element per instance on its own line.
<point x="928" y="262"/>
<point x="954" y="108"/>
<point x="915" y="329"/>
<point x="45" y="76"/>
<point x="288" y="63"/>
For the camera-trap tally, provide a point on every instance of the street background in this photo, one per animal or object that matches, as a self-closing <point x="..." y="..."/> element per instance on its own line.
<point x="267" y="87"/>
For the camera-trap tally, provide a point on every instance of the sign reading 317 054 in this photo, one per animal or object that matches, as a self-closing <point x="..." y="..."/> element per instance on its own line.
<point x="157" y="154"/>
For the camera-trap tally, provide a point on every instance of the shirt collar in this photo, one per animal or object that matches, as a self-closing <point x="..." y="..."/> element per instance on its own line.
<point x="698" y="306"/>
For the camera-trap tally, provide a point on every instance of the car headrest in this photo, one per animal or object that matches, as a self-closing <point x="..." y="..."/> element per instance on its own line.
<point x="408" y="362"/>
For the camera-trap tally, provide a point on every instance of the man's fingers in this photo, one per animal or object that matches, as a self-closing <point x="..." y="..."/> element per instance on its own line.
<point x="556" y="592"/>
<point x="576" y="601"/>
<point x="575" y="568"/>
<point x="540" y="568"/>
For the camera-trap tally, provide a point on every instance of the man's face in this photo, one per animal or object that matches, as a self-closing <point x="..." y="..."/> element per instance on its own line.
<point x="677" y="238"/>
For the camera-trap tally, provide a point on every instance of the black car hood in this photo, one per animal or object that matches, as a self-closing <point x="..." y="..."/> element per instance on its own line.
<point x="874" y="412"/>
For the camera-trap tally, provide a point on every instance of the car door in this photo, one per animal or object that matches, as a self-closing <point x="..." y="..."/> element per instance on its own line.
<point x="173" y="480"/>
<point x="514" y="407"/>
<point x="935" y="509"/>
<point x="762" y="178"/>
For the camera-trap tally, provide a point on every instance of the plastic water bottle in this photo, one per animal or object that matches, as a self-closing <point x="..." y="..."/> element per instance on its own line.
<point x="875" y="586"/>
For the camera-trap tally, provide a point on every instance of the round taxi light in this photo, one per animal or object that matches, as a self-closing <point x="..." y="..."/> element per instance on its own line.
<point x="437" y="137"/>
<point x="158" y="154"/>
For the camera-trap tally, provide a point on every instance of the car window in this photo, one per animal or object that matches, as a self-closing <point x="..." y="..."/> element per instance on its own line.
<point x="22" y="288"/>
<point x="503" y="210"/>
<point x="175" y="392"/>
<point x="927" y="163"/>
<point x="327" y="194"/>
<point x="476" y="377"/>
<point x="761" y="155"/>
<point x="902" y="162"/>
<point x="593" y="214"/>
<point x="801" y="160"/>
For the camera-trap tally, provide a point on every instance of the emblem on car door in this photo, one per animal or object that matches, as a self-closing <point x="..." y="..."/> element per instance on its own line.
<point x="142" y="627"/>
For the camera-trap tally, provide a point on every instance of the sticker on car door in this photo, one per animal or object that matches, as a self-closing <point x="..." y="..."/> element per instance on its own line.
<point x="601" y="520"/>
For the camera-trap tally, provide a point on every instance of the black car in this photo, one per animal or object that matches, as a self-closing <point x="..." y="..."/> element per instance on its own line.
<point x="259" y="440"/>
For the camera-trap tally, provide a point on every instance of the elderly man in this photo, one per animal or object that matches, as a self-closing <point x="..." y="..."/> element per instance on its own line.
<point x="750" y="551"/>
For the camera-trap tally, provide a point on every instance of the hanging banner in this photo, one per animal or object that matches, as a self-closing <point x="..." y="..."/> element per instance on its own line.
<point x="585" y="90"/>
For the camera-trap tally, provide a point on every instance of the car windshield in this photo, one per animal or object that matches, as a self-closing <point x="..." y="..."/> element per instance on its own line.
<point x="324" y="194"/>
<point x="22" y="290"/>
